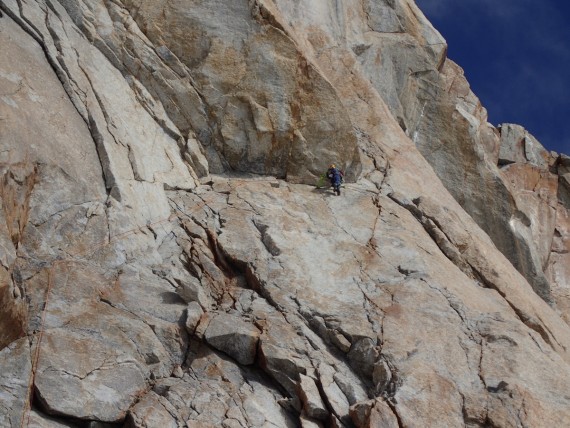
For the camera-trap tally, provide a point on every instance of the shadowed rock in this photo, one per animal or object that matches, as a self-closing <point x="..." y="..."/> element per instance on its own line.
<point x="160" y="232"/>
<point x="234" y="337"/>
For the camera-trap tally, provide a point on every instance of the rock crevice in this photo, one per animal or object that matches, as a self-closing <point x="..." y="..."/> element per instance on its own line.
<point x="166" y="260"/>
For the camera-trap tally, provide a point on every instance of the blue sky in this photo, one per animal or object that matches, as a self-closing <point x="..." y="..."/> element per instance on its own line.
<point x="516" y="57"/>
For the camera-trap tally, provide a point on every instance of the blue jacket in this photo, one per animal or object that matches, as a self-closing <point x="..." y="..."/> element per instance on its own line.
<point x="335" y="176"/>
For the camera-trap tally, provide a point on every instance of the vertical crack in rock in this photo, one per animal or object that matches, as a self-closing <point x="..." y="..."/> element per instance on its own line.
<point x="104" y="159"/>
<point x="438" y="235"/>
<point x="248" y="270"/>
<point x="394" y="408"/>
<point x="260" y="88"/>
<point x="65" y="78"/>
<point x="448" y="249"/>
<point x="266" y="239"/>
<point x="158" y="86"/>
<point x="482" y="378"/>
<point x="61" y="73"/>
<point x="25" y="24"/>
<point x="530" y="322"/>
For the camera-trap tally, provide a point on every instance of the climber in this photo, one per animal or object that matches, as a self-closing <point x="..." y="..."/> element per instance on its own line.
<point x="335" y="176"/>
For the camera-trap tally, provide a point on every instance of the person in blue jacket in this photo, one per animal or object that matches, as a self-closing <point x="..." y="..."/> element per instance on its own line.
<point x="335" y="177"/>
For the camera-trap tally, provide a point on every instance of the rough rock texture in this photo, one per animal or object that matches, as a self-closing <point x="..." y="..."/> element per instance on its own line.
<point x="309" y="394"/>
<point x="165" y="260"/>
<point x="434" y="105"/>
<point x="14" y="381"/>
<point x="233" y="336"/>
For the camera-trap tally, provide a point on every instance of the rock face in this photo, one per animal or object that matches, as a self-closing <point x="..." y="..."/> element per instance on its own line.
<point x="166" y="261"/>
<point x="233" y="336"/>
<point x="434" y="105"/>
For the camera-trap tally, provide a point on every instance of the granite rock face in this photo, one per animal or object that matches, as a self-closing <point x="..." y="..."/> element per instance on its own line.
<point x="432" y="101"/>
<point x="166" y="260"/>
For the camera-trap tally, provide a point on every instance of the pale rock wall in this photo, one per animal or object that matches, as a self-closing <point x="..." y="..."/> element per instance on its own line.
<point x="559" y="262"/>
<point x="538" y="182"/>
<point x="155" y="275"/>
<point x="240" y="87"/>
<point x="404" y="59"/>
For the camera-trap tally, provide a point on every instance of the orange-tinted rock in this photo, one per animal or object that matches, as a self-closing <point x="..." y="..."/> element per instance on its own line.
<point x="174" y="283"/>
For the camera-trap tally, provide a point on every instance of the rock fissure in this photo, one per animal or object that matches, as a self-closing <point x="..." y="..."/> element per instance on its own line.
<point x="122" y="308"/>
<point x="540" y="328"/>
<point x="371" y="316"/>
<point x="394" y="409"/>
<point x="447" y="246"/>
<point x="249" y="204"/>
<point x="59" y="212"/>
<point x="138" y="102"/>
<point x="25" y="24"/>
<point x="449" y="298"/>
<point x="537" y="343"/>
<point x="61" y="73"/>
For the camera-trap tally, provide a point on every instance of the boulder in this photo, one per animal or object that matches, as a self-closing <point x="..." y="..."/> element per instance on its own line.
<point x="92" y="380"/>
<point x="194" y="313"/>
<point x="233" y="336"/>
<point x="282" y="363"/>
<point x="152" y="411"/>
<point x="362" y="356"/>
<point x="191" y="290"/>
<point x="313" y="405"/>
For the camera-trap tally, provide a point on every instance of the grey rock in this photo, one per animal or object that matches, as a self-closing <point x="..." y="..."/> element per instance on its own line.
<point x="382" y="17"/>
<point x="195" y="154"/>
<point x="38" y="420"/>
<point x="15" y="374"/>
<point x="191" y="290"/>
<point x="334" y="396"/>
<point x="222" y="392"/>
<point x="513" y="147"/>
<point x="340" y="341"/>
<point x="145" y="144"/>
<point x="313" y="405"/>
<point x="362" y="356"/>
<point x="282" y="364"/>
<point x="92" y="381"/>
<point x="381" y="375"/>
<point x="351" y="386"/>
<point x="152" y="411"/>
<point x="194" y="313"/>
<point x="375" y="413"/>
<point x="178" y="372"/>
<point x="235" y="337"/>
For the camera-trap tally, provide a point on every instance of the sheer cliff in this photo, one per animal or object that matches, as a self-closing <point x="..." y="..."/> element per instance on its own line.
<point x="166" y="259"/>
